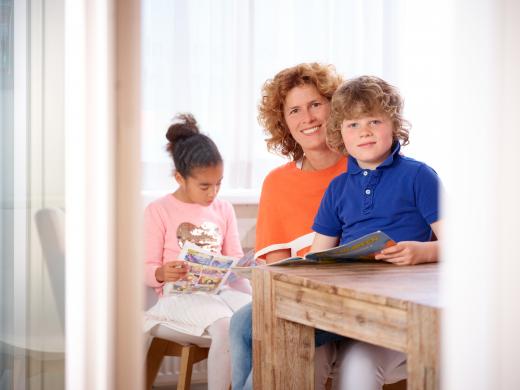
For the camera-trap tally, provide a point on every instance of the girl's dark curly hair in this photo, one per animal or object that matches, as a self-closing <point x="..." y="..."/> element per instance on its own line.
<point x="188" y="148"/>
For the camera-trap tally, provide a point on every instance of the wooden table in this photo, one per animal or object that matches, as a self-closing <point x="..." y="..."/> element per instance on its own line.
<point x="380" y="303"/>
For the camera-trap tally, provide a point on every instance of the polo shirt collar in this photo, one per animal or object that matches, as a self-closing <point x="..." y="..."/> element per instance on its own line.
<point x="354" y="168"/>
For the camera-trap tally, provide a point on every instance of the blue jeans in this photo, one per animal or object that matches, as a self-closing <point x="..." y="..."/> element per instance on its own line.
<point x="241" y="346"/>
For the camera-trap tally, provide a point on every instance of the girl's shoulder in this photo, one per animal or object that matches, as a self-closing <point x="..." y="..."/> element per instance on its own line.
<point x="165" y="200"/>
<point x="222" y="206"/>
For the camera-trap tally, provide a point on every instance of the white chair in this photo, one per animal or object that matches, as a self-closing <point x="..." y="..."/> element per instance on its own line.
<point x="45" y="351"/>
<point x="50" y="223"/>
<point x="165" y="342"/>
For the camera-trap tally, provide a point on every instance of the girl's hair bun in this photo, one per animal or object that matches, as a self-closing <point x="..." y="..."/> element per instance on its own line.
<point x="183" y="126"/>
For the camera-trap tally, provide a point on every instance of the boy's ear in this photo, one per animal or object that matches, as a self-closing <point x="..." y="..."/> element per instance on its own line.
<point x="179" y="179"/>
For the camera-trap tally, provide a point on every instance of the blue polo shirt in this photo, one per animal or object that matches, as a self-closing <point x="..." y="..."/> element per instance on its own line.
<point x="399" y="197"/>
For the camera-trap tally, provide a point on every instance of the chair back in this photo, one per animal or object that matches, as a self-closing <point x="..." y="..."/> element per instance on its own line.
<point x="50" y="223"/>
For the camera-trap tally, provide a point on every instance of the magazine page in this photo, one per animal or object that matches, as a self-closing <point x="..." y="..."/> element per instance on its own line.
<point x="363" y="248"/>
<point x="242" y="268"/>
<point x="207" y="271"/>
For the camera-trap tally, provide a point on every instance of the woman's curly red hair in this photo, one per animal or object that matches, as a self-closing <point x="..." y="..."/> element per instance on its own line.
<point x="274" y="92"/>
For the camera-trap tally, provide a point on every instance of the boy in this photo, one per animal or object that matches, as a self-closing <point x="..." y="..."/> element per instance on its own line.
<point x="381" y="190"/>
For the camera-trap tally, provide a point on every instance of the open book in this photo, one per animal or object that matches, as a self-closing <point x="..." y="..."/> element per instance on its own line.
<point x="207" y="271"/>
<point x="363" y="248"/>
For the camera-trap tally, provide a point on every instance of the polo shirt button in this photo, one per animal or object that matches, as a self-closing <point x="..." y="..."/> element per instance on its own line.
<point x="365" y="173"/>
<point x="367" y="191"/>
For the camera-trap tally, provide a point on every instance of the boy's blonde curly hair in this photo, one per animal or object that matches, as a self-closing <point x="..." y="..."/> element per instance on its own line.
<point x="365" y="96"/>
<point x="274" y="92"/>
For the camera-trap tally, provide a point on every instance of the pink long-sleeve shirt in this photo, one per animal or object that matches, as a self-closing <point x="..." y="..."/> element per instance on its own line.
<point x="168" y="223"/>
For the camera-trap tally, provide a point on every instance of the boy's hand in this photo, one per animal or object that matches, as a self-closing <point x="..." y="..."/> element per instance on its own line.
<point x="171" y="271"/>
<point x="410" y="253"/>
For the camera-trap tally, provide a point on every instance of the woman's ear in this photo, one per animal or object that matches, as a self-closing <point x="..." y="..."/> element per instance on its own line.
<point x="179" y="179"/>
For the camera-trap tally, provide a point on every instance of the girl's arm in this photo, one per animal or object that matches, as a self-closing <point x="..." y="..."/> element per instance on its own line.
<point x="413" y="252"/>
<point x="231" y="245"/>
<point x="154" y="231"/>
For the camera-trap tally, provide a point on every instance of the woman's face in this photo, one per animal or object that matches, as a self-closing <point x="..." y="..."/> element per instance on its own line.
<point x="306" y="112"/>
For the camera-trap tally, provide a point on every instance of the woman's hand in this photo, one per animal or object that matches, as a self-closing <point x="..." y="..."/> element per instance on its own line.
<point x="410" y="253"/>
<point x="171" y="271"/>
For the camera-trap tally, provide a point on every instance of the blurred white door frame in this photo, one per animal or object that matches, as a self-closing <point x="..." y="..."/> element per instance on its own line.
<point x="104" y="277"/>
<point x="481" y="341"/>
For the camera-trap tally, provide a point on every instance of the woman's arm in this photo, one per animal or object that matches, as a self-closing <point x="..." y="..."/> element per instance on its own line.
<point x="277" y="255"/>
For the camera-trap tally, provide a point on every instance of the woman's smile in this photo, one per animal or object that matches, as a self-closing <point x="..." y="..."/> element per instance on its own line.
<point x="311" y="130"/>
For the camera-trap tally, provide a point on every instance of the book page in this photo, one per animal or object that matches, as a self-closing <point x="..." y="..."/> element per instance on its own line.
<point x="363" y="248"/>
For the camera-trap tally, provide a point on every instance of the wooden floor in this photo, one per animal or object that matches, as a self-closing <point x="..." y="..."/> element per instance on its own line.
<point x="198" y="386"/>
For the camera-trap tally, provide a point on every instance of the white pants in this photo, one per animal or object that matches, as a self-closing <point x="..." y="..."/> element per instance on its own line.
<point x="363" y="366"/>
<point x="219" y="361"/>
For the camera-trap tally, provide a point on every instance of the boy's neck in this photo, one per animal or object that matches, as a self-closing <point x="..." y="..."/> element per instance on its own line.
<point x="317" y="160"/>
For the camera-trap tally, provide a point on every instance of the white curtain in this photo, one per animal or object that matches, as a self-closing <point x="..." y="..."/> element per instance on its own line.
<point x="212" y="57"/>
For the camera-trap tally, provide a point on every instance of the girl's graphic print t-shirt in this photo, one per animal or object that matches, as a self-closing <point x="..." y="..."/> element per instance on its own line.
<point x="169" y="223"/>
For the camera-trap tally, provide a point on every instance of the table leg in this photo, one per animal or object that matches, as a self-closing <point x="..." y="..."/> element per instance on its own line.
<point x="283" y="351"/>
<point x="423" y="347"/>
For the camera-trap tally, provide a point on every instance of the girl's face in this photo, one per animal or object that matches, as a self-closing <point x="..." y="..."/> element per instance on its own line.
<point x="201" y="186"/>
<point x="368" y="139"/>
<point x="306" y="112"/>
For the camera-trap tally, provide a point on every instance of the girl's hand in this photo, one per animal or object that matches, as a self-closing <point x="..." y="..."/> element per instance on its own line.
<point x="171" y="271"/>
<point x="410" y="253"/>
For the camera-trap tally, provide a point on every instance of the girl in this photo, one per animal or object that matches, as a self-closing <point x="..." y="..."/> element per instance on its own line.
<point x="193" y="213"/>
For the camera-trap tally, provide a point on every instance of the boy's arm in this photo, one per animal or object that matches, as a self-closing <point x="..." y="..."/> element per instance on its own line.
<point x="413" y="252"/>
<point x="322" y="242"/>
<point x="437" y="227"/>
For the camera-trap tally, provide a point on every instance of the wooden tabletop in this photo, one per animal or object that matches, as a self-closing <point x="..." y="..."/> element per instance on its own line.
<point x="369" y="281"/>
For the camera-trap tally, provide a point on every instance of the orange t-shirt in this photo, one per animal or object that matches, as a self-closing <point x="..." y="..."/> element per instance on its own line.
<point x="289" y="201"/>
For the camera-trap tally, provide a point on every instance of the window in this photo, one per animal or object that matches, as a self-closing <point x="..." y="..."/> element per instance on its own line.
<point x="211" y="58"/>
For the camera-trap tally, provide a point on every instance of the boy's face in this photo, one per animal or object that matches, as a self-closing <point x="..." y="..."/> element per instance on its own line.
<point x="368" y="139"/>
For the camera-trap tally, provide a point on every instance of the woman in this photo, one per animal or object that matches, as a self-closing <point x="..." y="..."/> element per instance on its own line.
<point x="293" y="111"/>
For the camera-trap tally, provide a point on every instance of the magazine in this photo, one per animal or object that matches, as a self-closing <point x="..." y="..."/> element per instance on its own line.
<point x="363" y="248"/>
<point x="207" y="271"/>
